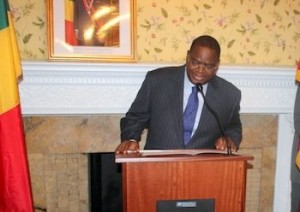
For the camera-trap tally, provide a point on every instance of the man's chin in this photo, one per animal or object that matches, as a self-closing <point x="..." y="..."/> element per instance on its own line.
<point x="200" y="81"/>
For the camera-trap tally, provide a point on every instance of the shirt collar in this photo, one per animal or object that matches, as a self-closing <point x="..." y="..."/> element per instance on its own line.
<point x="188" y="84"/>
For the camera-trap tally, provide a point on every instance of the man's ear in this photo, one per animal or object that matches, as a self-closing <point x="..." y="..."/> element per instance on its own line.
<point x="187" y="55"/>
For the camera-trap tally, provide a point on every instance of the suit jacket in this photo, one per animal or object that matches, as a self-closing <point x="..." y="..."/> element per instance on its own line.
<point x="158" y="106"/>
<point x="295" y="172"/>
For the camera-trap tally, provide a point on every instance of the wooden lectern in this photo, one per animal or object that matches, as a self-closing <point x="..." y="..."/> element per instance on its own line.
<point x="149" y="179"/>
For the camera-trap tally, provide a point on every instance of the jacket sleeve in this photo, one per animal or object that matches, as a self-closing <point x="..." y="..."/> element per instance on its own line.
<point x="138" y="116"/>
<point x="234" y="127"/>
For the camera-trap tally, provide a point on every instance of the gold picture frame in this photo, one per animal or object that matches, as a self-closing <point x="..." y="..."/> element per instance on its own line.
<point x="91" y="30"/>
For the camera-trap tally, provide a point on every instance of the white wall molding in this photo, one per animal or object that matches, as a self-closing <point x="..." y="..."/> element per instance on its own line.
<point x="93" y="88"/>
<point x="282" y="188"/>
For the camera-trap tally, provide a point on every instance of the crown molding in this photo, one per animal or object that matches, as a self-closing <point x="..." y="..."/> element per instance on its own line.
<point x="106" y="88"/>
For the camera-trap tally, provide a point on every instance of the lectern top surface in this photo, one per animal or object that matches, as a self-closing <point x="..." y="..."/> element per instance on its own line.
<point x="179" y="155"/>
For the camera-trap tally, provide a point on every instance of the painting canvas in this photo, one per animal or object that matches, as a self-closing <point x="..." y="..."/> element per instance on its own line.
<point x="91" y="30"/>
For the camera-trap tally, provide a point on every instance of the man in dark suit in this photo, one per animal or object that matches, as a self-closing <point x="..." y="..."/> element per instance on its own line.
<point x="160" y="103"/>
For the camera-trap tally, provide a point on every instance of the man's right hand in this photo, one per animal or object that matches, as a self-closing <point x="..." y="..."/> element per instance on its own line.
<point x="128" y="146"/>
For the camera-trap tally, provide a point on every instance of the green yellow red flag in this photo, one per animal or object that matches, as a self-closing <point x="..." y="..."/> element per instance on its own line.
<point x="298" y="72"/>
<point x="70" y="35"/>
<point x="15" y="187"/>
<point x="298" y="151"/>
<point x="298" y="155"/>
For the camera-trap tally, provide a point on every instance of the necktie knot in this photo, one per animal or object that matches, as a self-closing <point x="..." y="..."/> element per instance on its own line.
<point x="195" y="89"/>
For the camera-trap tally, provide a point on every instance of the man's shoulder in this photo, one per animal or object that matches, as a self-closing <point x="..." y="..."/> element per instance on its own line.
<point x="224" y="82"/>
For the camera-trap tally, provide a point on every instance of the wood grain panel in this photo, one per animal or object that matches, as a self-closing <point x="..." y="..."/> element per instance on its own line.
<point x="223" y="180"/>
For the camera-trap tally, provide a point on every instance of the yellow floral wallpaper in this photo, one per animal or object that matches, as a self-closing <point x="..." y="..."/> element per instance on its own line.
<point x="30" y="23"/>
<point x="250" y="31"/>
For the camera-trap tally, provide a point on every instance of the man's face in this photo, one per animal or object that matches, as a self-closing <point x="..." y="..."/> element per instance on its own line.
<point x="202" y="64"/>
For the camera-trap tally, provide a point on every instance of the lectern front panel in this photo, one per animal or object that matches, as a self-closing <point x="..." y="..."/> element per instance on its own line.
<point x="199" y="178"/>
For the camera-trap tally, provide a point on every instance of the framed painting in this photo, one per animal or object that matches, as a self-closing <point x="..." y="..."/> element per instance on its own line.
<point x="91" y="30"/>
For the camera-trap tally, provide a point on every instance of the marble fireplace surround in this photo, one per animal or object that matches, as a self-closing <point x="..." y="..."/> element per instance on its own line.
<point x="64" y="88"/>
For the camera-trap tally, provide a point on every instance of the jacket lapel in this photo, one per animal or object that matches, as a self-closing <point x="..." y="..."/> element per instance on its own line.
<point x="206" y="116"/>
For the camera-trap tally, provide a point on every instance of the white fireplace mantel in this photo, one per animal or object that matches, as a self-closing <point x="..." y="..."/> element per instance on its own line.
<point x="93" y="88"/>
<point x="64" y="88"/>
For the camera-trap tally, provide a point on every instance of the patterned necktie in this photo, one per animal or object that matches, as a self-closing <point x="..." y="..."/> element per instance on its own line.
<point x="189" y="114"/>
